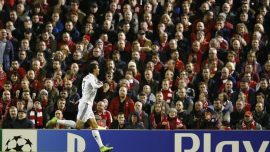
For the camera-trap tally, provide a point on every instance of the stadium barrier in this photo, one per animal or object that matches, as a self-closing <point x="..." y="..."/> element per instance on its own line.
<point x="135" y="140"/>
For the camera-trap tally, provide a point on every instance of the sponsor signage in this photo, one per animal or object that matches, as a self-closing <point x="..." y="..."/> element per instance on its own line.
<point x="156" y="141"/>
<point x="136" y="141"/>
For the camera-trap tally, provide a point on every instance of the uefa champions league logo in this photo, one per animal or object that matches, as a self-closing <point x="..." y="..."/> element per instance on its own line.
<point x="18" y="143"/>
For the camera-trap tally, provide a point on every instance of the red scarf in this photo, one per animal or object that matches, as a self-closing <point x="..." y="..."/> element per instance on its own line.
<point x="252" y="126"/>
<point x="44" y="103"/>
<point x="36" y="117"/>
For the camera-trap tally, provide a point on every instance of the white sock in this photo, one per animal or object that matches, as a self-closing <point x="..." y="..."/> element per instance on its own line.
<point x="96" y="135"/>
<point x="67" y="123"/>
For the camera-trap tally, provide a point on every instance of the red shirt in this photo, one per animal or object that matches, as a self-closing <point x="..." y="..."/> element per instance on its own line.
<point x="158" y="66"/>
<point x="3" y="78"/>
<point x="4" y="106"/>
<point x="107" y="48"/>
<point x="159" y="125"/>
<point x="179" y="65"/>
<point x="174" y="122"/>
<point x="20" y="71"/>
<point x="105" y="118"/>
<point x="115" y="106"/>
<point x="197" y="56"/>
<point x="167" y="95"/>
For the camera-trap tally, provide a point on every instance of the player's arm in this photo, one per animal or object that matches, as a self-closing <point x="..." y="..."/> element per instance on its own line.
<point x="96" y="85"/>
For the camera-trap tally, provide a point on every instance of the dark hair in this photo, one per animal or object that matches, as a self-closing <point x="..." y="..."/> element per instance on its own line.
<point x="60" y="99"/>
<point x="264" y="79"/>
<point x="261" y="94"/>
<point x="7" y="82"/>
<point x="21" y="101"/>
<point x="121" y="113"/>
<point x="74" y="1"/>
<point x="217" y="99"/>
<point x="92" y="67"/>
<point x="142" y="94"/>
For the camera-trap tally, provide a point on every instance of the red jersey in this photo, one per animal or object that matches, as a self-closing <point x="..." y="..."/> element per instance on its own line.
<point x="104" y="119"/>
<point x="167" y="95"/>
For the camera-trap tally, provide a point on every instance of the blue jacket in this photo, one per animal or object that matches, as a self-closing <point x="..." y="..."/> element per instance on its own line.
<point x="8" y="55"/>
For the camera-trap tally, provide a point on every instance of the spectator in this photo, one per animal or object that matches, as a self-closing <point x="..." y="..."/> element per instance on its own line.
<point x="56" y="23"/>
<point x="261" y="99"/>
<point x="210" y="121"/>
<point x="120" y="123"/>
<point x="149" y="93"/>
<point x="226" y="103"/>
<point x="15" y="68"/>
<point x="159" y="99"/>
<point x="107" y="91"/>
<point x="39" y="71"/>
<point x="52" y="91"/>
<point x="148" y="79"/>
<point x="135" y="122"/>
<point x="196" y="116"/>
<point x="61" y="105"/>
<point x="7" y="52"/>
<point x="24" y="60"/>
<point x="237" y="114"/>
<point x="143" y="116"/>
<point x="117" y="72"/>
<point x="103" y="117"/>
<point x="158" y="118"/>
<point x="10" y="119"/>
<point x="20" y="105"/>
<point x="264" y="88"/>
<point x="71" y="104"/>
<point x="146" y="102"/>
<point x="166" y="91"/>
<point x="248" y="92"/>
<point x="47" y="106"/>
<point x="248" y="123"/>
<point x="181" y="95"/>
<point x="26" y="96"/>
<point x="181" y="113"/>
<point x="37" y="115"/>
<point x="5" y="103"/>
<point x="22" y="121"/>
<point x="121" y="103"/>
<point x="59" y="116"/>
<point x="221" y="113"/>
<point x="261" y="116"/>
<point x="34" y="84"/>
<point x="174" y="121"/>
<point x="3" y="77"/>
<point x="72" y="31"/>
<point x="133" y="83"/>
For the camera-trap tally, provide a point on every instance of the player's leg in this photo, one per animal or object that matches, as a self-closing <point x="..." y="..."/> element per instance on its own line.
<point x="81" y="118"/>
<point x="82" y="115"/>
<point x="67" y="123"/>
<point x="79" y="124"/>
<point x="93" y="124"/>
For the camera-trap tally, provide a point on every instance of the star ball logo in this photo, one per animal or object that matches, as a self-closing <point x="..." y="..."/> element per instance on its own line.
<point x="18" y="143"/>
<point x="19" y="140"/>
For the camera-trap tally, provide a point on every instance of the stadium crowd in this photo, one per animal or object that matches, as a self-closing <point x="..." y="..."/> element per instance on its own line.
<point x="165" y="64"/>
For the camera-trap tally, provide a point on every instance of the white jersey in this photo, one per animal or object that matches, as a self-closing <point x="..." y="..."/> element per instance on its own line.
<point x="90" y="84"/>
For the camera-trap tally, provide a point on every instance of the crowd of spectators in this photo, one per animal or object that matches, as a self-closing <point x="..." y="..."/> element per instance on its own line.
<point x="165" y="64"/>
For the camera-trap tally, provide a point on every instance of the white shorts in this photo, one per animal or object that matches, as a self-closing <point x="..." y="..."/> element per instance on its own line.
<point x="85" y="111"/>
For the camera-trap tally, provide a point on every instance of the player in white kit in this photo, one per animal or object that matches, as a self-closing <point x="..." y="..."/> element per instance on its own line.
<point x="90" y="84"/>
